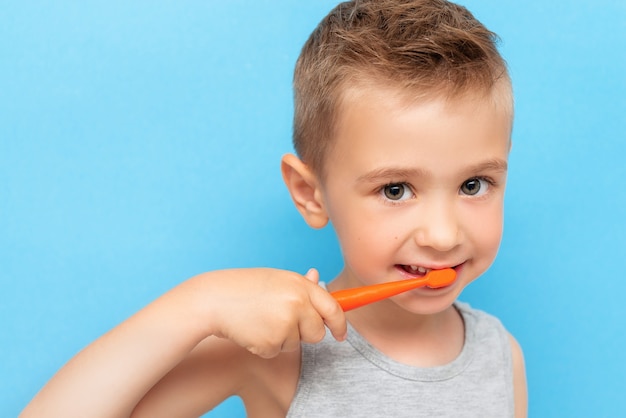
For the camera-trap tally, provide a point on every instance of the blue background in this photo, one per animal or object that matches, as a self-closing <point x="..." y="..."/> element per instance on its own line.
<point x="140" y="145"/>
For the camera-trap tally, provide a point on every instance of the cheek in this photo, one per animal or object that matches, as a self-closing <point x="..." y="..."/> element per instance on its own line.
<point x="368" y="229"/>
<point x="488" y="233"/>
<point x="367" y="244"/>
<point x="362" y="238"/>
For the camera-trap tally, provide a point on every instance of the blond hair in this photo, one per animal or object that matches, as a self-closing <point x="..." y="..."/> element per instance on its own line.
<point x="425" y="47"/>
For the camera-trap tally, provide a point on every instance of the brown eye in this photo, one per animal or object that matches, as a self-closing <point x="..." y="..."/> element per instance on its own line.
<point x="474" y="186"/>
<point x="397" y="191"/>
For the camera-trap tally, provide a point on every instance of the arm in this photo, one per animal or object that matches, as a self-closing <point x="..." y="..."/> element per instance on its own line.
<point x="519" y="380"/>
<point x="262" y="310"/>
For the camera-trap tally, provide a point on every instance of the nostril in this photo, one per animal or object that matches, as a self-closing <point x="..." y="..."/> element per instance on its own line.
<point x="438" y="241"/>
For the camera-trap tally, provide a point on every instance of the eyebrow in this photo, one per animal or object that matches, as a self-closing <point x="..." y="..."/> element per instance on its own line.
<point x="495" y="164"/>
<point x="394" y="173"/>
<point x="391" y="173"/>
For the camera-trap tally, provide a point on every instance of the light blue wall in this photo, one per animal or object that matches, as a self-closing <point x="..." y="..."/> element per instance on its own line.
<point x="139" y="145"/>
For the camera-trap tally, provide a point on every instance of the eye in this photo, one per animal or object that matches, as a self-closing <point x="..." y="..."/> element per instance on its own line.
<point x="475" y="186"/>
<point x="397" y="192"/>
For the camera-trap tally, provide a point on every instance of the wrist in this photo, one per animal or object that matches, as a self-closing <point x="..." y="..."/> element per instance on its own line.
<point x="207" y="300"/>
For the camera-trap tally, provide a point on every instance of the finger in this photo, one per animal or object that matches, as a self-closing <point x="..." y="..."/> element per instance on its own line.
<point x="312" y="275"/>
<point x="311" y="327"/>
<point x="330" y="312"/>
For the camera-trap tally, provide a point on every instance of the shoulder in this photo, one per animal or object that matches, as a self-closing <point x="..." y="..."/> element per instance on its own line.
<point x="486" y="326"/>
<point x="519" y="379"/>
<point x="271" y="384"/>
<point x="266" y="386"/>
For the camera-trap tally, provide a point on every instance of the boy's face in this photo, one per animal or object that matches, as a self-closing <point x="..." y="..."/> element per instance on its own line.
<point x="410" y="187"/>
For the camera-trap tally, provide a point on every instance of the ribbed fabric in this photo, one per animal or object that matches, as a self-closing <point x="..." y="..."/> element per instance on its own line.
<point x="353" y="379"/>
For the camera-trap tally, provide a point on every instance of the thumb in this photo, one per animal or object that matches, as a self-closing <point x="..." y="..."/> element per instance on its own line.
<point x="312" y="275"/>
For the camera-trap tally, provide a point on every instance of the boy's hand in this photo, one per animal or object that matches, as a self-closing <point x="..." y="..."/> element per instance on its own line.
<point x="268" y="311"/>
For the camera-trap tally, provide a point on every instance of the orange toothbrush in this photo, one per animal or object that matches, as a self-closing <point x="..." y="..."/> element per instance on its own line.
<point x="359" y="296"/>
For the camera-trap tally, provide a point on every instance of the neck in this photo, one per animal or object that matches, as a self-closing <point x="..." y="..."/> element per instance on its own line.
<point x="417" y="340"/>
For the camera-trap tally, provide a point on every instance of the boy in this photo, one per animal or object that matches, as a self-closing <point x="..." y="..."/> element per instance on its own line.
<point x="403" y="118"/>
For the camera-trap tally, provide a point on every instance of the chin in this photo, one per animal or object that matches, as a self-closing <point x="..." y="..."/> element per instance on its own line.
<point x="428" y="307"/>
<point x="427" y="301"/>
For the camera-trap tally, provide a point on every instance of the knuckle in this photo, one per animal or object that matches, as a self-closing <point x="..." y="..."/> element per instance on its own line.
<point x="267" y="347"/>
<point x="264" y="352"/>
<point x="335" y="309"/>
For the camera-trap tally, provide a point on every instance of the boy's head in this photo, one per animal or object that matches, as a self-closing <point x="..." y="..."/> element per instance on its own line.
<point x="402" y="125"/>
<point x="420" y="48"/>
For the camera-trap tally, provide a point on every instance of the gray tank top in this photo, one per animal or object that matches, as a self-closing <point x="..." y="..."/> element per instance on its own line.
<point x="353" y="379"/>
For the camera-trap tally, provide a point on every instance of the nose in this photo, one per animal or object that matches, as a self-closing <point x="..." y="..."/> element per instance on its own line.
<point x="438" y="226"/>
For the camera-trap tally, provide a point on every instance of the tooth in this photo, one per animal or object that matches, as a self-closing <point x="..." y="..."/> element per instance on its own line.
<point x="422" y="270"/>
<point x="414" y="268"/>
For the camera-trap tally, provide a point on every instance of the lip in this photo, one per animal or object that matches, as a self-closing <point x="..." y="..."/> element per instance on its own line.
<point x="400" y="268"/>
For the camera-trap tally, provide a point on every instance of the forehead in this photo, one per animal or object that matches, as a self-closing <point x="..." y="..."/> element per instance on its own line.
<point x="380" y="126"/>
<point x="359" y="88"/>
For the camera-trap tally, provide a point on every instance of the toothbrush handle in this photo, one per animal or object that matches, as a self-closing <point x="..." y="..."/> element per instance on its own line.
<point x="355" y="298"/>
<point x="359" y="296"/>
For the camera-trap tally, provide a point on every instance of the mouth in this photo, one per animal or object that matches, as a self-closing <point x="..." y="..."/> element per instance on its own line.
<point x="416" y="271"/>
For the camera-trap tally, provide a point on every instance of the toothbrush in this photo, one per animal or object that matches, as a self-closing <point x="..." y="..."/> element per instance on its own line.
<point x="359" y="296"/>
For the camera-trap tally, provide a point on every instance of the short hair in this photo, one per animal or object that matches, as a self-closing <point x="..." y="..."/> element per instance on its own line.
<point x="424" y="47"/>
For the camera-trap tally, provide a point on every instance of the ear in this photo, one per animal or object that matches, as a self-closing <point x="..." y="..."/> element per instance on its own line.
<point x="305" y="190"/>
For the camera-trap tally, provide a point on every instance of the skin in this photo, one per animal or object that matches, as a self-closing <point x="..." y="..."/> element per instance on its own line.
<point x="431" y="154"/>
<point x="405" y="184"/>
